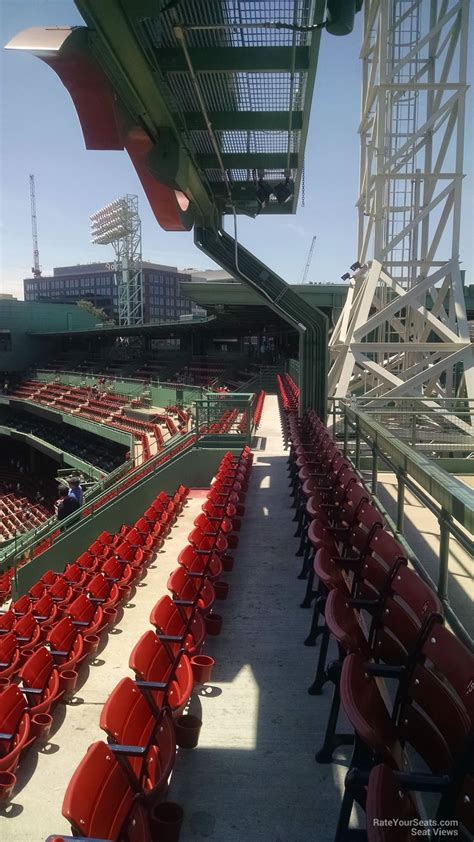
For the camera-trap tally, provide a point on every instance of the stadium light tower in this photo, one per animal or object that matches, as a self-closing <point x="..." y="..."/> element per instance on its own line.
<point x="403" y="331"/>
<point x="118" y="224"/>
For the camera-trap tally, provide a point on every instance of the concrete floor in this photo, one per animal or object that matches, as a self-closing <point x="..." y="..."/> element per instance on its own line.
<point x="253" y="776"/>
<point x="421" y="530"/>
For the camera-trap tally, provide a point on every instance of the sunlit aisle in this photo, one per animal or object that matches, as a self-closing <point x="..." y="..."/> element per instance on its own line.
<point x="253" y="776"/>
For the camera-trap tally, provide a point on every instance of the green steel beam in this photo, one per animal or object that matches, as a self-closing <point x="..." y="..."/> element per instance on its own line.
<point x="118" y="49"/>
<point x="310" y="323"/>
<point x="234" y="59"/>
<point x="250" y="161"/>
<point x="263" y="121"/>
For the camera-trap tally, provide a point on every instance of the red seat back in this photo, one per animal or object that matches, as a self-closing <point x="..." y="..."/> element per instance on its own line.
<point x="127" y="719"/>
<point x="99" y="801"/>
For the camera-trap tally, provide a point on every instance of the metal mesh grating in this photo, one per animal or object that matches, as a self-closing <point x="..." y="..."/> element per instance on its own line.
<point x="245" y="141"/>
<point x="215" y="176"/>
<point x="237" y="91"/>
<point x="234" y="12"/>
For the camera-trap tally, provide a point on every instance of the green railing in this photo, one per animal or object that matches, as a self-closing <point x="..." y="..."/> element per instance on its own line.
<point x="112" y="486"/>
<point x="23" y="543"/>
<point x="447" y="498"/>
<point x="441" y="426"/>
<point x="214" y="409"/>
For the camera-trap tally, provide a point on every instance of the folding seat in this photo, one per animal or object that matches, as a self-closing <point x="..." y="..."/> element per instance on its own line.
<point x="7" y="621"/>
<point x="190" y="591"/>
<point x="14" y="727"/>
<point x="40" y="681"/>
<point x="140" y="736"/>
<point x="205" y="544"/>
<point x="22" y="606"/>
<point x="61" y="593"/>
<point x="162" y="673"/>
<point x="76" y="576"/>
<point x="401" y="606"/>
<point x="217" y="499"/>
<point x="126" y="554"/>
<point x="101" y="800"/>
<point x="28" y="634"/>
<point x="36" y="591"/>
<point x="198" y="565"/>
<point x="66" y="644"/>
<point x="45" y="611"/>
<point x="10" y="657"/>
<point x="102" y="591"/>
<point x="178" y="624"/>
<point x="48" y="579"/>
<point x="433" y="715"/>
<point x="388" y="808"/>
<point x="86" y="616"/>
<point x="87" y="563"/>
<point x="118" y="572"/>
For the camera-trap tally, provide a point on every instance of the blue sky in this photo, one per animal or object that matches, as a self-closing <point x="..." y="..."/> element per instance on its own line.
<point x="40" y="134"/>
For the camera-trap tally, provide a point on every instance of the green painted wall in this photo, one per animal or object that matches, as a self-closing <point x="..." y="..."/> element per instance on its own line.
<point x="196" y="469"/>
<point x="21" y="317"/>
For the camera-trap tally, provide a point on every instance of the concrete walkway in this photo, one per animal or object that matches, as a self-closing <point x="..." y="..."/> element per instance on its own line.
<point x="253" y="776"/>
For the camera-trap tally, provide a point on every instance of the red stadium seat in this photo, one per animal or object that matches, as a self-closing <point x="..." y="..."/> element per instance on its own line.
<point x="86" y="616"/>
<point x="66" y="644"/>
<point x="14" y="727"/>
<point x="100" y="801"/>
<point x="167" y="677"/>
<point x="178" y="625"/>
<point x="40" y="681"/>
<point x="10" y="657"/>
<point x="131" y="724"/>
<point x="194" y="592"/>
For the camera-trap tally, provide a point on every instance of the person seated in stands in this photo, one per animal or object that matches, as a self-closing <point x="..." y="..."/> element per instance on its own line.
<point x="76" y="490"/>
<point x="66" y="504"/>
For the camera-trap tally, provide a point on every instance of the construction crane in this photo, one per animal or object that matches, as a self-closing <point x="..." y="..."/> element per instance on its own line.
<point x="308" y="261"/>
<point x="36" y="267"/>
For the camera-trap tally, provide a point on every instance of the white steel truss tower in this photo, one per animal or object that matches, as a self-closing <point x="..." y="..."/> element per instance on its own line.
<point x="119" y="224"/>
<point x="403" y="330"/>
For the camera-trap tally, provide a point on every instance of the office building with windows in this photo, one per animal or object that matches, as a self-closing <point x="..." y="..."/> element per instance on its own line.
<point x="95" y="282"/>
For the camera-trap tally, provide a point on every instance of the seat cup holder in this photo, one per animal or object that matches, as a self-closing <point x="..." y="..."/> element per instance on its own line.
<point x="213" y="623"/>
<point x="124" y="591"/>
<point x="7" y="783"/>
<point x="67" y="682"/>
<point x="221" y="589"/>
<point x="202" y="666"/>
<point x="187" y="729"/>
<point x="165" y="821"/>
<point x="110" y="614"/>
<point x="41" y="726"/>
<point x="91" y="643"/>
<point x="227" y="563"/>
<point x="4" y="683"/>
